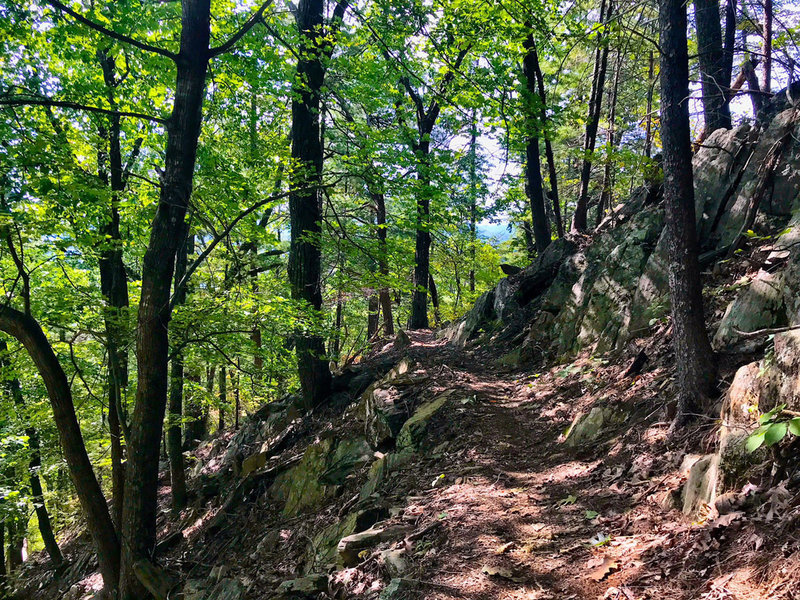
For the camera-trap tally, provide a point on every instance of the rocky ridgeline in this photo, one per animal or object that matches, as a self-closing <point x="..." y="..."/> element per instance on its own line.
<point x="602" y="295"/>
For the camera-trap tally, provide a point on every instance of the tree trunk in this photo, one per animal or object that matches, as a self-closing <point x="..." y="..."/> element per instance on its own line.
<point x="729" y="41"/>
<point x="694" y="357"/>
<point x="183" y="130"/>
<point x="607" y="194"/>
<point x="373" y="316"/>
<point x="16" y="540"/>
<point x="337" y="334"/>
<point x="437" y="315"/>
<point x="766" y="87"/>
<point x="422" y="247"/>
<point x="114" y="287"/>
<point x="533" y="167"/>
<point x="383" y="262"/>
<point x="98" y="519"/>
<point x="548" y="146"/>
<point x="711" y="56"/>
<point x="648" y="134"/>
<point x="223" y="398"/>
<point x="3" y="574"/>
<point x="593" y="120"/>
<point x="528" y="233"/>
<point x="177" y="468"/>
<point x="305" y="200"/>
<point x="194" y="426"/>
<point x="473" y="199"/>
<point x="236" y="399"/>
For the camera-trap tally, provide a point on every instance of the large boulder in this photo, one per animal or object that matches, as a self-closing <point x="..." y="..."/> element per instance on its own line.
<point x="384" y="407"/>
<point x="757" y="306"/>
<point x="324" y="466"/>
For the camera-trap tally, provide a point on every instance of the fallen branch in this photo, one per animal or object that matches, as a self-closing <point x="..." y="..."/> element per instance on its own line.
<point x="748" y="335"/>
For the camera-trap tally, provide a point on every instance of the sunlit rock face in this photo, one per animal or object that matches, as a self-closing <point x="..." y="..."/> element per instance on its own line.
<point x="600" y="293"/>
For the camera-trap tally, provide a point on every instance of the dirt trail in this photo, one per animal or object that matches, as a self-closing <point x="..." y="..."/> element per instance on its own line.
<point x="524" y="517"/>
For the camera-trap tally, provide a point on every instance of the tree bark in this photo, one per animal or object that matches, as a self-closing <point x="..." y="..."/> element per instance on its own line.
<point x="694" y="358"/>
<point x="183" y="130"/>
<point x="422" y="243"/>
<point x="437" y="314"/>
<point x="533" y="167"/>
<point x="16" y="540"/>
<point x="177" y="468"/>
<point x="373" y="315"/>
<point x="579" y="222"/>
<point x="223" y="398"/>
<point x="711" y="56"/>
<point x="766" y="87"/>
<point x="305" y="199"/>
<point x="27" y="331"/>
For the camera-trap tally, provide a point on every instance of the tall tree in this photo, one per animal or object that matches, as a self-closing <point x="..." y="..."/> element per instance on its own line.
<point x="305" y="199"/>
<point x="695" y="364"/>
<point x="426" y="117"/>
<point x="715" y="77"/>
<point x="533" y="167"/>
<point x="579" y="222"/>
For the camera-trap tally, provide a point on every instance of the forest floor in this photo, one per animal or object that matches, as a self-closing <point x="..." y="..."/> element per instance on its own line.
<point x="523" y="516"/>
<point x="505" y="509"/>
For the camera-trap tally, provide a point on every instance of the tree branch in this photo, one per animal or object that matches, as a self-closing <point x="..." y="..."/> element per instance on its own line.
<point x="109" y="33"/>
<point x="256" y="18"/>
<point x="13" y="102"/>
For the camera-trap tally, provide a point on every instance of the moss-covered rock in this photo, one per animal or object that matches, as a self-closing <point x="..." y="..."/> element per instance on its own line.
<point x="413" y="430"/>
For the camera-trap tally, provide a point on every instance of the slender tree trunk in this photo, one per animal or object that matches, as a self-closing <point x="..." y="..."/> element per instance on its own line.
<point x="767" y="85"/>
<point x="473" y="199"/>
<point x="749" y="72"/>
<point x="193" y="429"/>
<point x="607" y="194"/>
<point x="114" y="286"/>
<point x="533" y="168"/>
<point x="383" y="262"/>
<point x="337" y="335"/>
<point x="98" y="519"/>
<point x="593" y="120"/>
<point x="711" y="56"/>
<point x="236" y="399"/>
<point x="694" y="357"/>
<point x="223" y="398"/>
<point x="527" y="231"/>
<point x="305" y="200"/>
<point x="437" y="314"/>
<point x="548" y="146"/>
<point x="183" y="130"/>
<point x="34" y="465"/>
<point x="16" y="539"/>
<point x="648" y="135"/>
<point x="729" y="41"/>
<point x="177" y="468"/>
<point x="373" y="316"/>
<point x="3" y="573"/>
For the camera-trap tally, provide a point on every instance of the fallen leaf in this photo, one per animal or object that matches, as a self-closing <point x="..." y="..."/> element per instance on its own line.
<point x="600" y="567"/>
<point x="504" y="548"/>
<point x="500" y="572"/>
<point x="725" y="520"/>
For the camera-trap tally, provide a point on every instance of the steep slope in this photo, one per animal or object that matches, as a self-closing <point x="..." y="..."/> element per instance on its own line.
<point x="522" y="453"/>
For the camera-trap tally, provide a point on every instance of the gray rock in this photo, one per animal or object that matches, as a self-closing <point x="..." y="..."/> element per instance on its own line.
<point x="413" y="430"/>
<point x="700" y="489"/>
<point x="590" y="426"/>
<point x="400" y="589"/>
<point x="304" y="587"/>
<point x="758" y="306"/>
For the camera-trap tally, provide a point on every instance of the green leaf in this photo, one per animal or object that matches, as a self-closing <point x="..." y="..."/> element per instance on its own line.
<point x="591" y="514"/>
<point x="775" y="433"/>
<point x="794" y="426"/>
<point x="769" y="416"/>
<point x="755" y="439"/>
